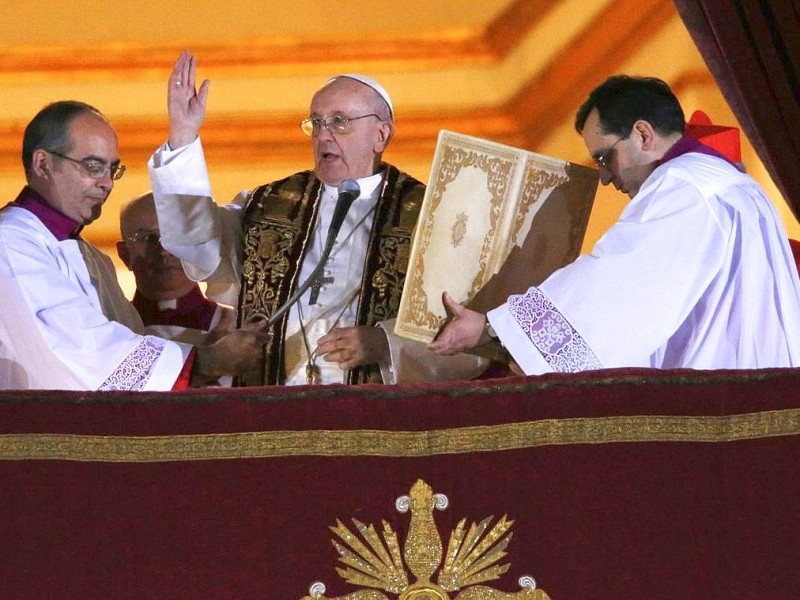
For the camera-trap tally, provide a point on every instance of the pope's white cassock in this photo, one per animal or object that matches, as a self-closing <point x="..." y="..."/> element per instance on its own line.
<point x="697" y="273"/>
<point x="208" y="240"/>
<point x="65" y="323"/>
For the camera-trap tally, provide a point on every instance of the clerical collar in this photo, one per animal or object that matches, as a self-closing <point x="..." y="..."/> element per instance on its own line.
<point x="167" y="304"/>
<point x="688" y="144"/>
<point x="368" y="186"/>
<point x="190" y="310"/>
<point x="56" y="222"/>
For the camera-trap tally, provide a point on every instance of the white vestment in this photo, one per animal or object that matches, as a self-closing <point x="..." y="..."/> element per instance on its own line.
<point x="697" y="273"/>
<point x="54" y="328"/>
<point x="208" y="240"/>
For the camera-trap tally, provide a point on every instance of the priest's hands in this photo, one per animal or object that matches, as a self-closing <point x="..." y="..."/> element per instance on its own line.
<point x="226" y="324"/>
<point x="352" y="347"/>
<point x="234" y="353"/>
<point x="464" y="331"/>
<point x="186" y="105"/>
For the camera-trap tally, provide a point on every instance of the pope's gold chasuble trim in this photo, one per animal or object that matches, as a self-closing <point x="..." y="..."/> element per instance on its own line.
<point x="473" y="557"/>
<point x="277" y="232"/>
<point x="373" y="442"/>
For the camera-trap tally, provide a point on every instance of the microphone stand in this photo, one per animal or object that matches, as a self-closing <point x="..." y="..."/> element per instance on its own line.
<point x="265" y="376"/>
<point x="349" y="190"/>
<point x="307" y="283"/>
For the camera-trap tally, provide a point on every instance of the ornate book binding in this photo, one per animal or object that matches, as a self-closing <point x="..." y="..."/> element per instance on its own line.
<point x="495" y="220"/>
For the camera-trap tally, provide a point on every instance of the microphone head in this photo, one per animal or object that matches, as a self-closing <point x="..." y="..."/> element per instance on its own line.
<point x="349" y="187"/>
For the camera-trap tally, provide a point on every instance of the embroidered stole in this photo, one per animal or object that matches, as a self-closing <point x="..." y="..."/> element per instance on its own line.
<point x="278" y="225"/>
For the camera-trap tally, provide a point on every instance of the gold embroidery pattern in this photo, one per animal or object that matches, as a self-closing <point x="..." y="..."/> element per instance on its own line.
<point x="271" y="233"/>
<point x="391" y="244"/>
<point x="265" y="265"/>
<point x="273" y="242"/>
<point x="369" y="442"/>
<point x="473" y="557"/>
<point x="387" y="258"/>
<point x="387" y="280"/>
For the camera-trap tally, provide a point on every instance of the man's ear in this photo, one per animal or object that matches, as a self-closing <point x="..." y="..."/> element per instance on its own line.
<point x="645" y="134"/>
<point x="385" y="133"/>
<point x="124" y="255"/>
<point x="40" y="163"/>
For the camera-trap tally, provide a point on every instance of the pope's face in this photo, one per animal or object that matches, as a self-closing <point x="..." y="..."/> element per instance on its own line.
<point x="352" y="155"/>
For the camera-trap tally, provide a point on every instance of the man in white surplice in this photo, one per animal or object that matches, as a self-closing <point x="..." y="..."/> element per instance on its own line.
<point x="255" y="251"/>
<point x="65" y="322"/>
<point x="697" y="273"/>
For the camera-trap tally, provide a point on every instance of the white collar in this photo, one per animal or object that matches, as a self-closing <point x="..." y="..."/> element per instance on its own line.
<point x="168" y="304"/>
<point x="368" y="186"/>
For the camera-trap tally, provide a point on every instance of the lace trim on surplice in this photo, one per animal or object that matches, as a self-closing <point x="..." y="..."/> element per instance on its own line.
<point x="136" y="369"/>
<point x="559" y="343"/>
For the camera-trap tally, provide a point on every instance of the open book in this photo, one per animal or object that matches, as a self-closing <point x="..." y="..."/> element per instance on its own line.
<point x="495" y="220"/>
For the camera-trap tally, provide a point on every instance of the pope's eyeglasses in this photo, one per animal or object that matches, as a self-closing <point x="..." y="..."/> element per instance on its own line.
<point x="335" y="125"/>
<point x="150" y="238"/>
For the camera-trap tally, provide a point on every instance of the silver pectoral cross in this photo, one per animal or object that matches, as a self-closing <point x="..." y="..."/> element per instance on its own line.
<point x="316" y="287"/>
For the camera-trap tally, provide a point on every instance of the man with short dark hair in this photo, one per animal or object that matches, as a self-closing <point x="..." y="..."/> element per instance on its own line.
<point x="697" y="273"/>
<point x="65" y="323"/>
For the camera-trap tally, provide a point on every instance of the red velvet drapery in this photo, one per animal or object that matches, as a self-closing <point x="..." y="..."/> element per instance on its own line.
<point x="753" y="51"/>
<point x="621" y="484"/>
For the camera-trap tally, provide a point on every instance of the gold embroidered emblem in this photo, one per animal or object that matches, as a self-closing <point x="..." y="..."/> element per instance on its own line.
<point x="472" y="557"/>
<point x="266" y="243"/>
<point x="459" y="230"/>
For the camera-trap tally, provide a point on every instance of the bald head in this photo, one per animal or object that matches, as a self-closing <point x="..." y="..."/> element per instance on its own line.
<point x="138" y="213"/>
<point x="159" y="275"/>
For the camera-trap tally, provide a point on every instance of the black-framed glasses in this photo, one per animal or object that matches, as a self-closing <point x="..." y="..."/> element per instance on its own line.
<point x="150" y="238"/>
<point x="94" y="168"/>
<point x="604" y="158"/>
<point x="337" y="124"/>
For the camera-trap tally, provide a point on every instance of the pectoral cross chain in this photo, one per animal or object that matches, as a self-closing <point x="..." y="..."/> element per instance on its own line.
<point x="316" y="287"/>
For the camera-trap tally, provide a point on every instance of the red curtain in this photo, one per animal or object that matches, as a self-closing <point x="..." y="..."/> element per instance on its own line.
<point x="752" y="48"/>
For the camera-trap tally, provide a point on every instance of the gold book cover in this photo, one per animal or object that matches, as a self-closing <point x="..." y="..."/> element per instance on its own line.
<point x="495" y="220"/>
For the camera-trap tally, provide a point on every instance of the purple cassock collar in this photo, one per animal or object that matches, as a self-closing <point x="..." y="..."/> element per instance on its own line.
<point x="59" y="224"/>
<point x="688" y="144"/>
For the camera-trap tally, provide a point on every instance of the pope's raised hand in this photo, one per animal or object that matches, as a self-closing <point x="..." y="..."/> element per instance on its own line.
<point x="186" y="104"/>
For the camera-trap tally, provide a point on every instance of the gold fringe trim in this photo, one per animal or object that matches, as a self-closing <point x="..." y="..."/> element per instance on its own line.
<point x="368" y="442"/>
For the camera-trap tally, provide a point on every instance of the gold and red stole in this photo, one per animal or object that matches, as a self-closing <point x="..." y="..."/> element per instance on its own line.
<point x="278" y="223"/>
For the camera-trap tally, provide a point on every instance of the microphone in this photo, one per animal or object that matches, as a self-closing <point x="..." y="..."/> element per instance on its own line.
<point x="348" y="190"/>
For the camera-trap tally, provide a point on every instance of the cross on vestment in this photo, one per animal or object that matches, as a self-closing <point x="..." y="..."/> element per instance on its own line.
<point x="316" y="287"/>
